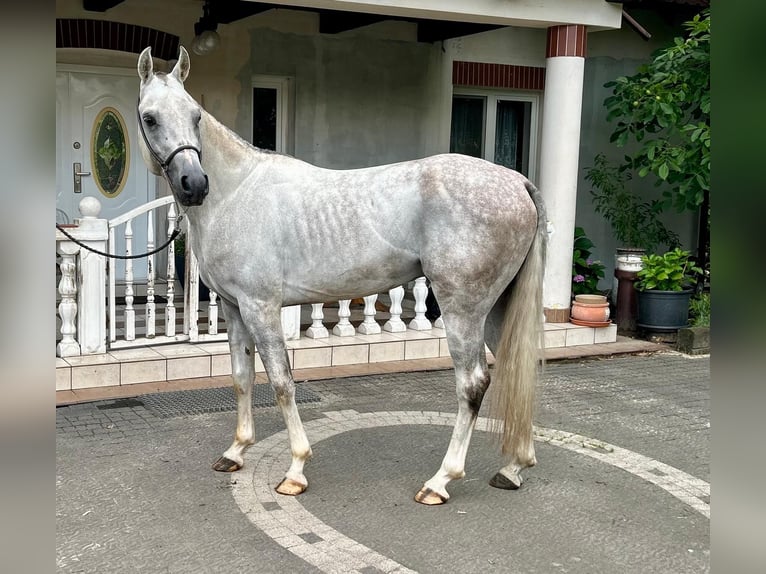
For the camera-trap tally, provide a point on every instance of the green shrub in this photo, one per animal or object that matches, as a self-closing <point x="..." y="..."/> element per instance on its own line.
<point x="585" y="271"/>
<point x="699" y="309"/>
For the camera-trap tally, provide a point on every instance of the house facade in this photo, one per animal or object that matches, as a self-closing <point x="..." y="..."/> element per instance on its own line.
<point x="346" y="84"/>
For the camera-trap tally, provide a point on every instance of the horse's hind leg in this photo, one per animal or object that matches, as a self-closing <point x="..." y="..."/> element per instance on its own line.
<point x="243" y="374"/>
<point x="471" y="381"/>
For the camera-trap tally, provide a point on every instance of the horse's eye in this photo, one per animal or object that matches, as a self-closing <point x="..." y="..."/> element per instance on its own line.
<point x="149" y="120"/>
<point x="198" y="118"/>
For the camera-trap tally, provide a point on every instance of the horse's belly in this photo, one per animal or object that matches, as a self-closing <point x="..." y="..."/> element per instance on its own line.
<point x="336" y="280"/>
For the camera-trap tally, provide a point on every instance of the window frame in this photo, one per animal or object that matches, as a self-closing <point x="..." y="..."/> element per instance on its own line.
<point x="283" y="86"/>
<point x="491" y="97"/>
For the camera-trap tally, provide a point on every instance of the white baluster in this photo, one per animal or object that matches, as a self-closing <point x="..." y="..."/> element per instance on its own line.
<point x="344" y="328"/>
<point x="130" y="313"/>
<point x="68" y="345"/>
<point x="212" y="310"/>
<point x="395" y="323"/>
<point x="170" y="306"/>
<point x="439" y="323"/>
<point x="150" y="305"/>
<point x="191" y="296"/>
<point x="317" y="329"/>
<point x="420" y="323"/>
<point x="111" y="272"/>
<point x="369" y="326"/>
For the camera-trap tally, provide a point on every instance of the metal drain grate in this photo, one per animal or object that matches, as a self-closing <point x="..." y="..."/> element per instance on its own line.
<point x="215" y="400"/>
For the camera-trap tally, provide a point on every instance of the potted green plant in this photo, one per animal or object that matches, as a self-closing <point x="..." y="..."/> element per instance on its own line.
<point x="586" y="271"/>
<point x="590" y="306"/>
<point x="664" y="289"/>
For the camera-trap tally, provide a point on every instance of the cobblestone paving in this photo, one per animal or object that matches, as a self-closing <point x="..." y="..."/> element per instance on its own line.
<point x="135" y="492"/>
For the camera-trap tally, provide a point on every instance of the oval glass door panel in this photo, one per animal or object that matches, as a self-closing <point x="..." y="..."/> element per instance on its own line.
<point x="110" y="156"/>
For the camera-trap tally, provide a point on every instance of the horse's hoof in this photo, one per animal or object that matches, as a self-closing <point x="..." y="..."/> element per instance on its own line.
<point x="503" y="482"/>
<point x="429" y="497"/>
<point x="224" y="464"/>
<point x="290" y="487"/>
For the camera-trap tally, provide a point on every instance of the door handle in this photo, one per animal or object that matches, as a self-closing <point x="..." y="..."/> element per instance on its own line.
<point x="77" y="174"/>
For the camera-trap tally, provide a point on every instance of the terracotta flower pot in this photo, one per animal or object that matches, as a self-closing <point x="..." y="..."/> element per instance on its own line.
<point x="590" y="308"/>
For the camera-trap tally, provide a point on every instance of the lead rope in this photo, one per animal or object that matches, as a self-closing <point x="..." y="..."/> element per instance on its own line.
<point x="176" y="233"/>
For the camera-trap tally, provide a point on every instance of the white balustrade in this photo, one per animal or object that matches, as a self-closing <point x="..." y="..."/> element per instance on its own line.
<point x="130" y="312"/>
<point x="317" y="330"/>
<point x="420" y="292"/>
<point x="395" y="323"/>
<point x="170" y="306"/>
<point x="68" y="346"/>
<point x="87" y="279"/>
<point x="212" y="314"/>
<point x="150" y="305"/>
<point x="82" y="284"/>
<point x="369" y="326"/>
<point x="91" y="316"/>
<point x="344" y="328"/>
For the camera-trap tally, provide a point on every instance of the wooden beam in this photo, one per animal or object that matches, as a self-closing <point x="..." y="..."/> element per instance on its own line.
<point x="100" y="5"/>
<point x="336" y="21"/>
<point x="438" y="30"/>
<point x="228" y="11"/>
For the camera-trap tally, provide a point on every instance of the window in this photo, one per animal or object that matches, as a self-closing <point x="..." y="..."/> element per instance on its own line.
<point x="499" y="127"/>
<point x="271" y="113"/>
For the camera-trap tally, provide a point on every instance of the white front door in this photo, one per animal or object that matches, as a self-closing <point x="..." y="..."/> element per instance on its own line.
<point x="96" y="137"/>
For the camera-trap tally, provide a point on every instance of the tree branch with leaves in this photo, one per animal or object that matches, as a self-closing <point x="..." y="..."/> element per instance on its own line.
<point x="665" y="108"/>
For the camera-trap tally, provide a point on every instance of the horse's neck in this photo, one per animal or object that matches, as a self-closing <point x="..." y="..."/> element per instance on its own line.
<point x="225" y="153"/>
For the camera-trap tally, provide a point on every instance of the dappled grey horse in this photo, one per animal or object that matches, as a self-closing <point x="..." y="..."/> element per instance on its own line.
<point x="270" y="230"/>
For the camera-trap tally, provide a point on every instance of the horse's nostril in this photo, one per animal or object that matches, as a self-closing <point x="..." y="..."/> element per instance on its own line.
<point x="185" y="183"/>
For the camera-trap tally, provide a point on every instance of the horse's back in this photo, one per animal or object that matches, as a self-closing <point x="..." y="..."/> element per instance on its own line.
<point x="349" y="232"/>
<point x="479" y="219"/>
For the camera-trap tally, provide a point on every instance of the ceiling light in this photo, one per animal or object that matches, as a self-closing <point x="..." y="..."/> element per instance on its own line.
<point x="206" y="39"/>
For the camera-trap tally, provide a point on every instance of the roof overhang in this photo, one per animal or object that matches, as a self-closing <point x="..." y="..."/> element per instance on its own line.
<point x="596" y="14"/>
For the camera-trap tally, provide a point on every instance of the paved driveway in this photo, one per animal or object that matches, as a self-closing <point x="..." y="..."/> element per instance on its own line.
<point x="620" y="485"/>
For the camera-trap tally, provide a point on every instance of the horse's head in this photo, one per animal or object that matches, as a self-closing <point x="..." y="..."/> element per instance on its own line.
<point x="169" y="121"/>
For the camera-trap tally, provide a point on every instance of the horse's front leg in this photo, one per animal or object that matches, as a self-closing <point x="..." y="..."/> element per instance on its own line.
<point x="243" y="374"/>
<point x="267" y="332"/>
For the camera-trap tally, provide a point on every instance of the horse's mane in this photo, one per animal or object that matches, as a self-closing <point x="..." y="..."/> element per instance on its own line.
<point x="242" y="141"/>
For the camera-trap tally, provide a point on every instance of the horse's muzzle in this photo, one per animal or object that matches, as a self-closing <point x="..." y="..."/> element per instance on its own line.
<point x="194" y="188"/>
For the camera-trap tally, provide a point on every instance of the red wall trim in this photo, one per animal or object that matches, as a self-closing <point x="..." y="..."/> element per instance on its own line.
<point x="483" y="75"/>
<point x="83" y="33"/>
<point x="568" y="40"/>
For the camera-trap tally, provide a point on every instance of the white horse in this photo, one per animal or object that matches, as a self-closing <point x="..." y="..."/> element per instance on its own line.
<point x="270" y="230"/>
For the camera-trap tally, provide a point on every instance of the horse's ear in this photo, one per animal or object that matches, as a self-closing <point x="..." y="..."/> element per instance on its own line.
<point x="145" y="64"/>
<point x="181" y="69"/>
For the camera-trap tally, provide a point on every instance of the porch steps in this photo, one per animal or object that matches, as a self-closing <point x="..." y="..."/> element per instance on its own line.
<point x="164" y="364"/>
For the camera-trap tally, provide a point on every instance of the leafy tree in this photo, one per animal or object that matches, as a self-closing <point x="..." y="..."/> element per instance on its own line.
<point x="665" y="108"/>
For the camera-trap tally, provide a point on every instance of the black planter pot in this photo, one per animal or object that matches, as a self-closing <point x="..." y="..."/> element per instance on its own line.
<point x="663" y="310"/>
<point x="204" y="292"/>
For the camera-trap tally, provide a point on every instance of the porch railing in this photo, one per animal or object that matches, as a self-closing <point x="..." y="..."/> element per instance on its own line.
<point x="99" y="310"/>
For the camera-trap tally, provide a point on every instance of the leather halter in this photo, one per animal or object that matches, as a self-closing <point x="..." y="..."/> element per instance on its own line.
<point x="163" y="164"/>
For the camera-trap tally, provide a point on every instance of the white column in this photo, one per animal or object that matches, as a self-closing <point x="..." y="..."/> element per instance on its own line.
<point x="291" y="322"/>
<point x="91" y="317"/>
<point x="559" y="157"/>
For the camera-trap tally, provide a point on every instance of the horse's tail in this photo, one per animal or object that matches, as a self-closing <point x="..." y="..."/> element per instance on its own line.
<point x="520" y="349"/>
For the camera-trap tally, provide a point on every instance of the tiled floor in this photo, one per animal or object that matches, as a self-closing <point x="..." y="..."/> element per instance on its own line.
<point x="158" y="367"/>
